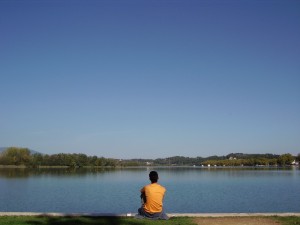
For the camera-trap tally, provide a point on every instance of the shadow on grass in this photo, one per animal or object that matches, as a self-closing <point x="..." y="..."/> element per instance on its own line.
<point x="70" y="220"/>
<point x="90" y="220"/>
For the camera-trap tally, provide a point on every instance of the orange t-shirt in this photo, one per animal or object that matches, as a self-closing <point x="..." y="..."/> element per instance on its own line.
<point x="154" y="197"/>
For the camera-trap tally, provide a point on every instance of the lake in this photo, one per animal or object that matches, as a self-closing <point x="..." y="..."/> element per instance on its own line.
<point x="189" y="190"/>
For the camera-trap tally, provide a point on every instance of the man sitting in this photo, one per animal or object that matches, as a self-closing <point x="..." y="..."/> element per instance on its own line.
<point x="152" y="198"/>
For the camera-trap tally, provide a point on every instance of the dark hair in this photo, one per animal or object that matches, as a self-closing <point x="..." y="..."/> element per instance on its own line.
<point x="153" y="176"/>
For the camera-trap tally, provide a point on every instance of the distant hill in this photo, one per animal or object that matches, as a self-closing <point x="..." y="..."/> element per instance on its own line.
<point x="248" y="156"/>
<point x="2" y="149"/>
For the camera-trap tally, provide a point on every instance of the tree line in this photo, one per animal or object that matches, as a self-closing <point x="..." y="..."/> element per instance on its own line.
<point x="23" y="156"/>
<point x="233" y="159"/>
<point x="282" y="160"/>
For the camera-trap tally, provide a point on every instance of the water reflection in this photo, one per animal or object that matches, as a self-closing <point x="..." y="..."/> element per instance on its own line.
<point x="26" y="172"/>
<point x="164" y="171"/>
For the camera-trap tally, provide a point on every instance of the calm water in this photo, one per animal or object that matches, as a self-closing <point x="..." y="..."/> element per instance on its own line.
<point x="117" y="191"/>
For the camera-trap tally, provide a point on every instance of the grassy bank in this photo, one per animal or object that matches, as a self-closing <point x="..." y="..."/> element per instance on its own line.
<point x="49" y="220"/>
<point x="42" y="220"/>
<point x="290" y="220"/>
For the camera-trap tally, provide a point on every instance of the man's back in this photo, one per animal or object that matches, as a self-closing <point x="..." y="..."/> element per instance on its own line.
<point x="154" y="197"/>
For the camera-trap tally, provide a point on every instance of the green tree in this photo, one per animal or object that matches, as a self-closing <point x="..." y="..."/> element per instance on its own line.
<point x="273" y="162"/>
<point x="285" y="159"/>
<point x="16" y="156"/>
<point x="100" y="162"/>
<point x="82" y="159"/>
<point x="36" y="160"/>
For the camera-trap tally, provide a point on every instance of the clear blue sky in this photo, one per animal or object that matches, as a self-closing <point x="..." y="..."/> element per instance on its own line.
<point x="150" y="79"/>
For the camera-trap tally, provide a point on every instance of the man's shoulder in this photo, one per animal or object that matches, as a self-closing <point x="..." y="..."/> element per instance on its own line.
<point x="162" y="187"/>
<point x="157" y="185"/>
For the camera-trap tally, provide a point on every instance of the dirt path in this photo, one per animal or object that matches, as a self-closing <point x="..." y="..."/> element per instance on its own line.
<point x="236" y="221"/>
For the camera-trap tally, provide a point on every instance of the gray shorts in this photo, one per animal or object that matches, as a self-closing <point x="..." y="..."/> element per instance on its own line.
<point x="154" y="216"/>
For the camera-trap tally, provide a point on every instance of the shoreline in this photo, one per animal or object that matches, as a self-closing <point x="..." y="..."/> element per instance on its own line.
<point x="137" y="167"/>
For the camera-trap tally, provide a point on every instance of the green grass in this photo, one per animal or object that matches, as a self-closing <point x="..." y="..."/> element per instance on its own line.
<point x="290" y="220"/>
<point x="46" y="220"/>
<point x="49" y="220"/>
